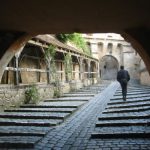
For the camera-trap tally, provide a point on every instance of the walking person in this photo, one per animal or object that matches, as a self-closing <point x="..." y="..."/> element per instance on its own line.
<point x="123" y="77"/>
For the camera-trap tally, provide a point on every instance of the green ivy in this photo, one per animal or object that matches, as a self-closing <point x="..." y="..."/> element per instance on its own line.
<point x="76" y="39"/>
<point x="50" y="53"/>
<point x="64" y="37"/>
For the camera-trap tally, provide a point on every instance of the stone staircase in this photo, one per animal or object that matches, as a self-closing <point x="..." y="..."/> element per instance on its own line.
<point x="25" y="126"/>
<point x="130" y="119"/>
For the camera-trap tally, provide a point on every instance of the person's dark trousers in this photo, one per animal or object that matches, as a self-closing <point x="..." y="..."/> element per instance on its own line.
<point x="124" y="90"/>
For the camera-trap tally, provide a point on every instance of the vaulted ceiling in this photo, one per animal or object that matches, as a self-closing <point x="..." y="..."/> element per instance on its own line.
<point x="130" y="18"/>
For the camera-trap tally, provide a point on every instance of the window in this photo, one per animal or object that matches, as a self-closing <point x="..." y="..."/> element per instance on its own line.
<point x="100" y="47"/>
<point x="109" y="48"/>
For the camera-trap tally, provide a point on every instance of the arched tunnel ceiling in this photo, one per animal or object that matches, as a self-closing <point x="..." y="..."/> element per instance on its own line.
<point x="47" y="16"/>
<point x="21" y="20"/>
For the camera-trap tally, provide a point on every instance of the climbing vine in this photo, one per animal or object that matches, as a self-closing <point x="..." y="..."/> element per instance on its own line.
<point x="68" y="66"/>
<point x="50" y="53"/>
<point x="50" y="59"/>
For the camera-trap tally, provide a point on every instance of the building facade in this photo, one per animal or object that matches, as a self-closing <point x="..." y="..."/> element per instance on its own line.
<point x="70" y="69"/>
<point x="112" y="51"/>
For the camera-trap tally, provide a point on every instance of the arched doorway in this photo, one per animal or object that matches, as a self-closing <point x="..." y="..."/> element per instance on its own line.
<point x="108" y="67"/>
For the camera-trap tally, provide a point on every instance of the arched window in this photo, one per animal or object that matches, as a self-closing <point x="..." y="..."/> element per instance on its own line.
<point x="109" y="48"/>
<point x="100" y="47"/>
<point x="119" y="48"/>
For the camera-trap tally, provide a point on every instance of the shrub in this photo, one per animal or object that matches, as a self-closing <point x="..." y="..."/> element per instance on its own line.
<point x="57" y="93"/>
<point x="31" y="95"/>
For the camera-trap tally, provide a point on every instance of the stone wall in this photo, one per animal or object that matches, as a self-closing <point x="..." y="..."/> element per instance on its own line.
<point x="74" y="85"/>
<point x="12" y="96"/>
<point x="144" y="75"/>
<point x="104" y="45"/>
<point x="145" y="78"/>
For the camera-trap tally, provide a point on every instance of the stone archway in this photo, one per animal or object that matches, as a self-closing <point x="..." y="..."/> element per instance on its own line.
<point x="108" y="67"/>
<point x="15" y="47"/>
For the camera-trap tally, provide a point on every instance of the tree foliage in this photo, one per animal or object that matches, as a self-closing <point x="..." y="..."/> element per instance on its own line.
<point x="64" y="37"/>
<point x="76" y="39"/>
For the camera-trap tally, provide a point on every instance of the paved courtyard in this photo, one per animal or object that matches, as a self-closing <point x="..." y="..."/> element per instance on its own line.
<point x="75" y="133"/>
<point x="93" y="118"/>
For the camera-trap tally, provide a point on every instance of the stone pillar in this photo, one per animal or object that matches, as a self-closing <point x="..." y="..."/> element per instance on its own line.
<point x="49" y="69"/>
<point x="48" y="72"/>
<point x="17" y="69"/>
<point x="89" y="68"/>
<point x="98" y="71"/>
<point x="121" y="56"/>
<point x="80" y="60"/>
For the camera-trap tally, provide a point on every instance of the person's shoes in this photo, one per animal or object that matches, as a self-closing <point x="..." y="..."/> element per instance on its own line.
<point x="124" y="98"/>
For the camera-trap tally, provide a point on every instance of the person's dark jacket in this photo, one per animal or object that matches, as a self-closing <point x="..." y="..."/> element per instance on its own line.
<point x="123" y="74"/>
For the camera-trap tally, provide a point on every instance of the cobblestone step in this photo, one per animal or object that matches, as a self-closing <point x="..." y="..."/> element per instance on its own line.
<point x="99" y="87"/>
<point x="122" y="117"/>
<point x="89" y="91"/>
<point x="21" y="133"/>
<point x="131" y="97"/>
<point x="29" y="122"/>
<point x="134" y="93"/>
<point x="62" y="103"/>
<point x="21" y="142"/>
<point x="78" y="95"/>
<point x="47" y="106"/>
<point x="143" y="113"/>
<point x="119" y="123"/>
<point x="95" y="86"/>
<point x="140" y="87"/>
<point x="60" y="110"/>
<point x="129" y="105"/>
<point x="120" y="101"/>
<point x="85" y="92"/>
<point x="123" y="129"/>
<point x="119" y="135"/>
<point x="24" y="129"/>
<point x="133" y="90"/>
<point x="11" y="132"/>
<point x="115" y="99"/>
<point x="68" y="99"/>
<point x="126" y="110"/>
<point x="32" y="115"/>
